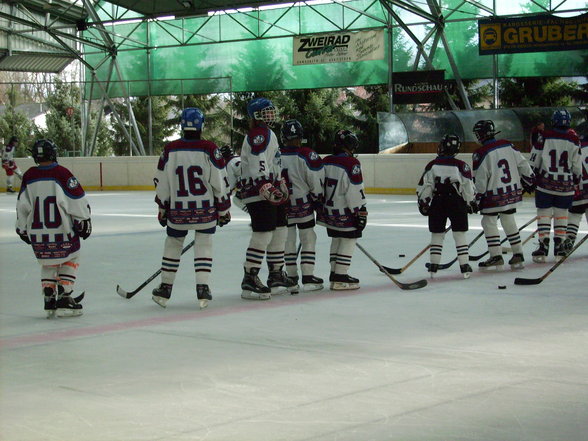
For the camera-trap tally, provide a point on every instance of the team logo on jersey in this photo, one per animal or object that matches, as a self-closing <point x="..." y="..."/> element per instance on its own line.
<point x="313" y="156"/>
<point x="466" y="168"/>
<point x="356" y="170"/>
<point x="476" y="157"/>
<point x="72" y="183"/>
<point x="258" y="140"/>
<point x="217" y="154"/>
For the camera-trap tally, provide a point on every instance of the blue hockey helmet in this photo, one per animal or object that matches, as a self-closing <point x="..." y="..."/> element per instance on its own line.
<point x="44" y="150"/>
<point x="192" y="119"/>
<point x="291" y="129"/>
<point x="561" y="118"/>
<point x="262" y="109"/>
<point x="449" y="145"/>
<point x="346" y="140"/>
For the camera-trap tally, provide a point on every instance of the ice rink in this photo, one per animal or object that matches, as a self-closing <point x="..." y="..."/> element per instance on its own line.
<point x="457" y="360"/>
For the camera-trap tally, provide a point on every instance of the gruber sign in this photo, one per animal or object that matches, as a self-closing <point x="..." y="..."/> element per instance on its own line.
<point x="539" y="33"/>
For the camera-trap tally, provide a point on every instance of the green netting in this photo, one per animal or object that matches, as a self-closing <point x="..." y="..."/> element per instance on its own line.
<point x="253" y="51"/>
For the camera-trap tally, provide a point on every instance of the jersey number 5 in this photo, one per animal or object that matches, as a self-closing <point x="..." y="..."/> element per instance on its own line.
<point x="192" y="175"/>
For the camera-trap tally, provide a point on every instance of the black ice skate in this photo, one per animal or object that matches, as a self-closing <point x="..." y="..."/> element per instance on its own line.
<point x="312" y="283"/>
<point x="280" y="283"/>
<point x="466" y="270"/>
<point x="493" y="262"/>
<point x="540" y="254"/>
<point x="559" y="248"/>
<point x="253" y="288"/>
<point x="10" y="190"/>
<point x="343" y="282"/>
<point x="517" y="261"/>
<point x="50" y="302"/>
<point x="66" y="305"/>
<point x="203" y="293"/>
<point x="162" y="294"/>
<point x="433" y="268"/>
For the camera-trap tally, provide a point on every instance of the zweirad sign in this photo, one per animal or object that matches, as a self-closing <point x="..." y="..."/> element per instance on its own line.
<point x="538" y="33"/>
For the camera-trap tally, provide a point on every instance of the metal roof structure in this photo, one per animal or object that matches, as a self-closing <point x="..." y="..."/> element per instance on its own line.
<point x="175" y="47"/>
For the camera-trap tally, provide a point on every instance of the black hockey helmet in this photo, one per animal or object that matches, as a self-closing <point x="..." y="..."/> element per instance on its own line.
<point x="227" y="152"/>
<point x="291" y="129"/>
<point x="449" y="145"/>
<point x="561" y="118"/>
<point x="44" y="150"/>
<point x="484" y="130"/>
<point x="346" y="140"/>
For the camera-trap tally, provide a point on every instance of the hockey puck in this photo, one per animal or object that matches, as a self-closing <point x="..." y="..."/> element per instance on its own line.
<point x="501" y="287"/>
<point x="401" y="255"/>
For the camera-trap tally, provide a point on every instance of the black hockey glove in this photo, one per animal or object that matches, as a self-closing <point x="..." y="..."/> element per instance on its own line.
<point x="24" y="237"/>
<point x="528" y="186"/>
<point x="361" y="219"/>
<point x="424" y="208"/>
<point x="224" y="219"/>
<point x="162" y="217"/>
<point x="83" y="228"/>
<point x="473" y="207"/>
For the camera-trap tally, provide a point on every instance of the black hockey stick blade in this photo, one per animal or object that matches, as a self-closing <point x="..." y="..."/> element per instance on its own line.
<point x="125" y="294"/>
<point x="525" y="281"/>
<point x="442" y="266"/>
<point x="79" y="298"/>
<point x="387" y="269"/>
<point x="414" y="285"/>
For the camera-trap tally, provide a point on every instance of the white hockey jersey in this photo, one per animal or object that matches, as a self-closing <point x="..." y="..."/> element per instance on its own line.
<point x="498" y="171"/>
<point x="50" y="200"/>
<point x="233" y="172"/>
<point x="581" y="195"/>
<point x="191" y="184"/>
<point x="303" y="170"/>
<point x="260" y="163"/>
<point x="8" y="153"/>
<point x="343" y="191"/>
<point x="556" y="162"/>
<point x="446" y="171"/>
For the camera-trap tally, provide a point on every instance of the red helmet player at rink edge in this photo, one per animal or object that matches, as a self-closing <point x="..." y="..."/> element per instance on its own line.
<point x="44" y="150"/>
<point x="192" y="119"/>
<point x="291" y="129"/>
<point x="484" y="130"/>
<point x="449" y="145"/>
<point x="262" y="109"/>
<point x="346" y="140"/>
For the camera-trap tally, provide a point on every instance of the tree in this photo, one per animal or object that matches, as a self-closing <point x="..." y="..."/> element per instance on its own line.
<point x="13" y="123"/>
<point x="536" y="92"/>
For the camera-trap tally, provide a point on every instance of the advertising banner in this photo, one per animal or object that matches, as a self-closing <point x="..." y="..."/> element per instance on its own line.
<point x="426" y="86"/>
<point x="539" y="33"/>
<point x="339" y="47"/>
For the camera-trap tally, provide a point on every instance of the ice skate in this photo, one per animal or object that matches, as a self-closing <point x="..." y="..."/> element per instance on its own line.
<point x="50" y="300"/>
<point x="559" y="248"/>
<point x="517" y="261"/>
<point x="280" y="283"/>
<point x="253" y="288"/>
<point x="203" y="293"/>
<point x="10" y="190"/>
<point x="343" y="282"/>
<point x="540" y="254"/>
<point x="66" y="305"/>
<point x="466" y="270"/>
<point x="312" y="283"/>
<point x="162" y="294"/>
<point x="433" y="268"/>
<point x="495" y="262"/>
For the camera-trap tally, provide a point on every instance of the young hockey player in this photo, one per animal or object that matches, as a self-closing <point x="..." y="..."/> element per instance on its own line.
<point x="558" y="166"/>
<point x="265" y="193"/>
<point x="344" y="210"/>
<point x="446" y="191"/>
<point x="233" y="167"/>
<point x="303" y="170"/>
<point x="9" y="165"/>
<point x="501" y="174"/>
<point x="580" y="204"/>
<point x="52" y="214"/>
<point x="192" y="194"/>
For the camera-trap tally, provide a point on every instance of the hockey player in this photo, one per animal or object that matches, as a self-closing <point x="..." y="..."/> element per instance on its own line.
<point x="446" y="191"/>
<point x="233" y="167"/>
<point x="265" y="193"/>
<point x="501" y="174"/>
<point x="580" y="204"/>
<point x="192" y="194"/>
<point x="304" y="173"/>
<point x="52" y="214"/>
<point x="558" y="167"/>
<point x="344" y="210"/>
<point x="9" y="165"/>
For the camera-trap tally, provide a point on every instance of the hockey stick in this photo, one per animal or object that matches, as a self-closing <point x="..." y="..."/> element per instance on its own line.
<point x="414" y="259"/>
<point x="128" y="294"/>
<point x="479" y="256"/>
<point x="414" y="285"/>
<point x="537" y="281"/>
<point x="443" y="266"/>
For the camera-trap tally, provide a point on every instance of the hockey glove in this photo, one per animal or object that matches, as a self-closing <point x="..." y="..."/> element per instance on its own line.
<point x="528" y="186"/>
<point x="361" y="219"/>
<point x="83" y="228"/>
<point x="271" y="194"/>
<point x="224" y="219"/>
<point x="162" y="217"/>
<point x="424" y="208"/>
<point x="473" y="207"/>
<point x="285" y="190"/>
<point x="24" y="236"/>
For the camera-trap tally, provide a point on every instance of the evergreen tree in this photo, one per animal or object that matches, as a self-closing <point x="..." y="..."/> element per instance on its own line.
<point x="13" y="123"/>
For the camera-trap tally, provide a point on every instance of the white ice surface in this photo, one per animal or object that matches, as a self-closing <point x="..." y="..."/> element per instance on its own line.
<point x="456" y="360"/>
